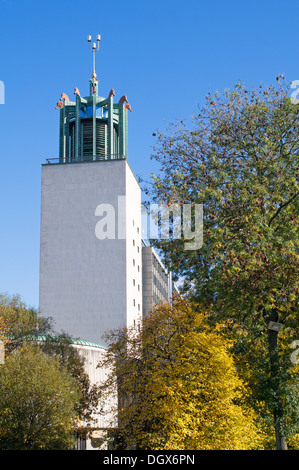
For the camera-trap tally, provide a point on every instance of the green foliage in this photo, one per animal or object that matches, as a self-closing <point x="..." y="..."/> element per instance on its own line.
<point x="37" y="402"/>
<point x="254" y="366"/>
<point x="21" y="321"/>
<point x="61" y="347"/>
<point x="240" y="159"/>
<point x="22" y="327"/>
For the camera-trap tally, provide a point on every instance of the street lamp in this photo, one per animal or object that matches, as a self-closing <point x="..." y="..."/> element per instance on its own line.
<point x="274" y="326"/>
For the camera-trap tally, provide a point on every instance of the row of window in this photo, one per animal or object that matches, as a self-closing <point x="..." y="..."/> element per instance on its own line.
<point x="138" y="268"/>
<point x="138" y="248"/>
<point x="161" y="293"/>
<point x="134" y="226"/>
<point x="134" y="284"/>
<point x="161" y="286"/>
<point x="134" y="305"/>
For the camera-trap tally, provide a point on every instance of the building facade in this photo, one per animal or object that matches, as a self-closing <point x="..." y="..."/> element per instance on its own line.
<point x="157" y="284"/>
<point x="96" y="272"/>
<point x="90" y="248"/>
<point x="88" y="283"/>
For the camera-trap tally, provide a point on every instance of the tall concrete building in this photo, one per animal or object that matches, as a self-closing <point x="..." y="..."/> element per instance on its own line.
<point x="157" y="283"/>
<point x="96" y="272"/>
<point x="90" y="250"/>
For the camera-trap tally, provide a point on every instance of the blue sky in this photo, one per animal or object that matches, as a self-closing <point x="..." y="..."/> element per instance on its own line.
<point x="164" y="55"/>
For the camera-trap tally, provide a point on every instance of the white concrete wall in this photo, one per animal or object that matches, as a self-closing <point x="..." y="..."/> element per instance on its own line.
<point x="105" y="416"/>
<point x="85" y="281"/>
<point x="134" y="251"/>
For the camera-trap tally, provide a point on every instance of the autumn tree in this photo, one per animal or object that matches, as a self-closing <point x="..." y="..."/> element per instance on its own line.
<point x="21" y="321"/>
<point x="21" y="327"/>
<point x="177" y="385"/>
<point x="238" y="157"/>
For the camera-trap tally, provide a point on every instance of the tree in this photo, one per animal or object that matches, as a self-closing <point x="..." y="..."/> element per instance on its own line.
<point x="61" y="347"/>
<point x="37" y="402"/>
<point x="22" y="326"/>
<point x="21" y="321"/>
<point x="239" y="158"/>
<point x="177" y="385"/>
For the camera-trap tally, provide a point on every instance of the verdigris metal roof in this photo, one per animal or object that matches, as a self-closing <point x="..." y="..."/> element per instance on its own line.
<point x="75" y="341"/>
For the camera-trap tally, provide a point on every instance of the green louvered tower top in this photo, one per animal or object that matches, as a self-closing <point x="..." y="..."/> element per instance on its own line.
<point x="93" y="128"/>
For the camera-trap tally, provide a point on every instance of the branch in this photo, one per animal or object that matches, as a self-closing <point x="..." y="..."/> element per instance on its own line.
<point x="281" y="207"/>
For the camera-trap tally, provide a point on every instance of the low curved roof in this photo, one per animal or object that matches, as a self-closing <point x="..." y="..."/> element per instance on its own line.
<point x="75" y="341"/>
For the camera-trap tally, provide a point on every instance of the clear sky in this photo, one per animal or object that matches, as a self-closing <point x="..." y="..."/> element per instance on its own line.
<point x="164" y="55"/>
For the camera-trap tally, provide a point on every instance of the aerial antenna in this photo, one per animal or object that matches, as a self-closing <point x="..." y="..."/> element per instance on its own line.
<point x="94" y="48"/>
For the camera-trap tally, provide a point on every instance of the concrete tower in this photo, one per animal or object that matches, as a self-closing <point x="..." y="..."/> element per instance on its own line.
<point x="90" y="252"/>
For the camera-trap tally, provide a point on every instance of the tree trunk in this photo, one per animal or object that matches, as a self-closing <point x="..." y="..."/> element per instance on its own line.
<point x="281" y="443"/>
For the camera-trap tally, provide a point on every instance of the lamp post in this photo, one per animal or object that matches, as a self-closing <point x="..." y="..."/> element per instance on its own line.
<point x="274" y="328"/>
<point x="94" y="48"/>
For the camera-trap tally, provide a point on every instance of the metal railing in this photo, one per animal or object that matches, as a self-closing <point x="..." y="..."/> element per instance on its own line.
<point x="85" y="158"/>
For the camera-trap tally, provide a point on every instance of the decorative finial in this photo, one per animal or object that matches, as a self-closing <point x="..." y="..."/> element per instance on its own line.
<point x="128" y="107"/>
<point x="123" y="99"/>
<point x="60" y="104"/>
<point x="94" y="48"/>
<point x="64" y="97"/>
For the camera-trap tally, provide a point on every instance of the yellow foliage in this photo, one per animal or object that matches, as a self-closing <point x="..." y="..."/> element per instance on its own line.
<point x="179" y="385"/>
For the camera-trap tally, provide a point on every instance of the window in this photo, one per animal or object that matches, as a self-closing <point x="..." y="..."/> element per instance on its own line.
<point x="133" y="282"/>
<point x="134" y="302"/>
<point x="87" y="111"/>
